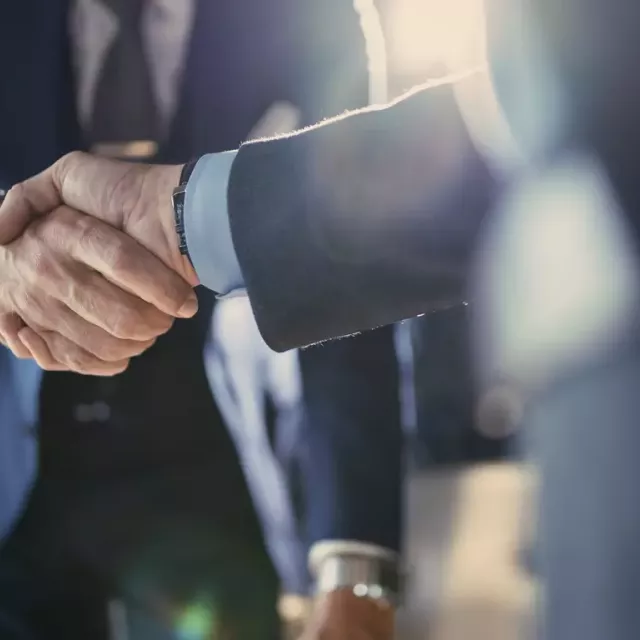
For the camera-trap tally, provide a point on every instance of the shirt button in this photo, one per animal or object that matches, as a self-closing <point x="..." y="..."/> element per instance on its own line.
<point x="101" y="412"/>
<point x="83" y="413"/>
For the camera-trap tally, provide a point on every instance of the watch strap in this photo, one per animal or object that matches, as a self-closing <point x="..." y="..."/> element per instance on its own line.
<point x="178" y="199"/>
<point x="187" y="170"/>
<point x="376" y="579"/>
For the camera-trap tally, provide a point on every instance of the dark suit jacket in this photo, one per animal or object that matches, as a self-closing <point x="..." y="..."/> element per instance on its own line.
<point x="244" y="55"/>
<point x="360" y="222"/>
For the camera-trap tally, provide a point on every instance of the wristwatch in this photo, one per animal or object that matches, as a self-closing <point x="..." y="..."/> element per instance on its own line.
<point x="178" y="197"/>
<point x="374" y="575"/>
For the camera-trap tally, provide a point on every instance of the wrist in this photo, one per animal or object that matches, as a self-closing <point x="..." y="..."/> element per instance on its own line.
<point x="162" y="180"/>
<point x="341" y="611"/>
<point x="369" y="569"/>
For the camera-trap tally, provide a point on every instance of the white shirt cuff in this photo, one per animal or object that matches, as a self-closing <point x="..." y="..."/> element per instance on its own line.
<point x="207" y="229"/>
<point x="326" y="548"/>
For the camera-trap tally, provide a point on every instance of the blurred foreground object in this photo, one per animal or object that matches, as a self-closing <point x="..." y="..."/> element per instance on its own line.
<point x="557" y="316"/>
<point x="557" y="296"/>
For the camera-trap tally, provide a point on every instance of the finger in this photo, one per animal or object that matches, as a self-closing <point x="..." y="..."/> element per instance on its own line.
<point x="26" y="201"/>
<point x="71" y="355"/>
<point x="87" y="294"/>
<point x="117" y="312"/>
<point x="79" y="179"/>
<point x="87" y="336"/>
<point x="10" y="327"/>
<point x="68" y="180"/>
<point x="39" y="350"/>
<point x="129" y="265"/>
<point x="119" y="258"/>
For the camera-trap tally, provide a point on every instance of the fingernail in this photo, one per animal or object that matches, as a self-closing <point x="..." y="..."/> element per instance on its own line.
<point x="190" y="307"/>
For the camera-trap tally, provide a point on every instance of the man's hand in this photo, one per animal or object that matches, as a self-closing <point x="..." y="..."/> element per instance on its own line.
<point x="134" y="198"/>
<point x="341" y="615"/>
<point x="67" y="288"/>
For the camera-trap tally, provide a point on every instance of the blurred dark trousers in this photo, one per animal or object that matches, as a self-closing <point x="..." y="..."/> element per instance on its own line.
<point x="445" y="394"/>
<point x="48" y="591"/>
<point x="43" y="594"/>
<point x="134" y="508"/>
<point x="587" y="439"/>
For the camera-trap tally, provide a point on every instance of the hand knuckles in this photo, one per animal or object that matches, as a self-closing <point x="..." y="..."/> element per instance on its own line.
<point x="15" y="194"/>
<point x="72" y="157"/>
<point x="37" y="266"/>
<point x="75" y="359"/>
<point x="119" y="259"/>
<point x="89" y="232"/>
<point x="138" y="324"/>
<point x="128" y="324"/>
<point x="74" y="294"/>
<point x="123" y="325"/>
<point x="114" y="350"/>
<point x="102" y="349"/>
<point x="27" y="305"/>
<point x="59" y="227"/>
<point x="112" y="247"/>
<point x="6" y="323"/>
<point x="41" y="267"/>
<point x="66" y="163"/>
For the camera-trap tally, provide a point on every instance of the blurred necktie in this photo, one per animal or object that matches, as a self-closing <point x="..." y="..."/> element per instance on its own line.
<point x="125" y="121"/>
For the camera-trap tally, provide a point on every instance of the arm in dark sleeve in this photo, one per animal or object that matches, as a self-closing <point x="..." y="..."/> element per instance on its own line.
<point x="352" y="460"/>
<point x="359" y="222"/>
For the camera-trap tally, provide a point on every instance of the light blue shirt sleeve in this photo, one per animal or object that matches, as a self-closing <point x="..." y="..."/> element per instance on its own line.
<point x="207" y="228"/>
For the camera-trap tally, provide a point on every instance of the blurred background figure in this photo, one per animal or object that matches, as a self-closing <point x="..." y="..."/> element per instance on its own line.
<point x="447" y="430"/>
<point x="427" y="41"/>
<point x="557" y="291"/>
<point x="126" y="512"/>
<point x="468" y="521"/>
<point x="331" y="446"/>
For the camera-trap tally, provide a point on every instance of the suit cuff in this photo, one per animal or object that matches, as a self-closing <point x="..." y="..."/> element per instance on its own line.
<point x="207" y="229"/>
<point x="324" y="549"/>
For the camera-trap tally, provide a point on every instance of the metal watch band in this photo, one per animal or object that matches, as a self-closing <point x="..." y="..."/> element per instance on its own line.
<point x="178" y="199"/>
<point x="366" y="577"/>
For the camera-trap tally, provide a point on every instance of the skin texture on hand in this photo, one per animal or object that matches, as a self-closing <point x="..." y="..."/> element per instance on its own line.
<point x="342" y="615"/>
<point x="132" y="197"/>
<point x="87" y="292"/>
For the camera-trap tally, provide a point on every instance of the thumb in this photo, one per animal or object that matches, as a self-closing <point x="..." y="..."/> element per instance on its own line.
<point x="26" y="201"/>
<point x="82" y="181"/>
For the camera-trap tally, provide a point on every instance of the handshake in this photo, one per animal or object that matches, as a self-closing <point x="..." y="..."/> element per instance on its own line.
<point x="90" y="267"/>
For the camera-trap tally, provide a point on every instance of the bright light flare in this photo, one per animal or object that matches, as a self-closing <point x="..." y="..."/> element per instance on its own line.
<point x="448" y="34"/>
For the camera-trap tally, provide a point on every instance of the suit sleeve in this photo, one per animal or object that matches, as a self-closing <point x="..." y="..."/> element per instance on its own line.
<point x="359" y="222"/>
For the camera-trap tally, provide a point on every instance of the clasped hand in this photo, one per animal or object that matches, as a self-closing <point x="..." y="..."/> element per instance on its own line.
<point x="90" y="271"/>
